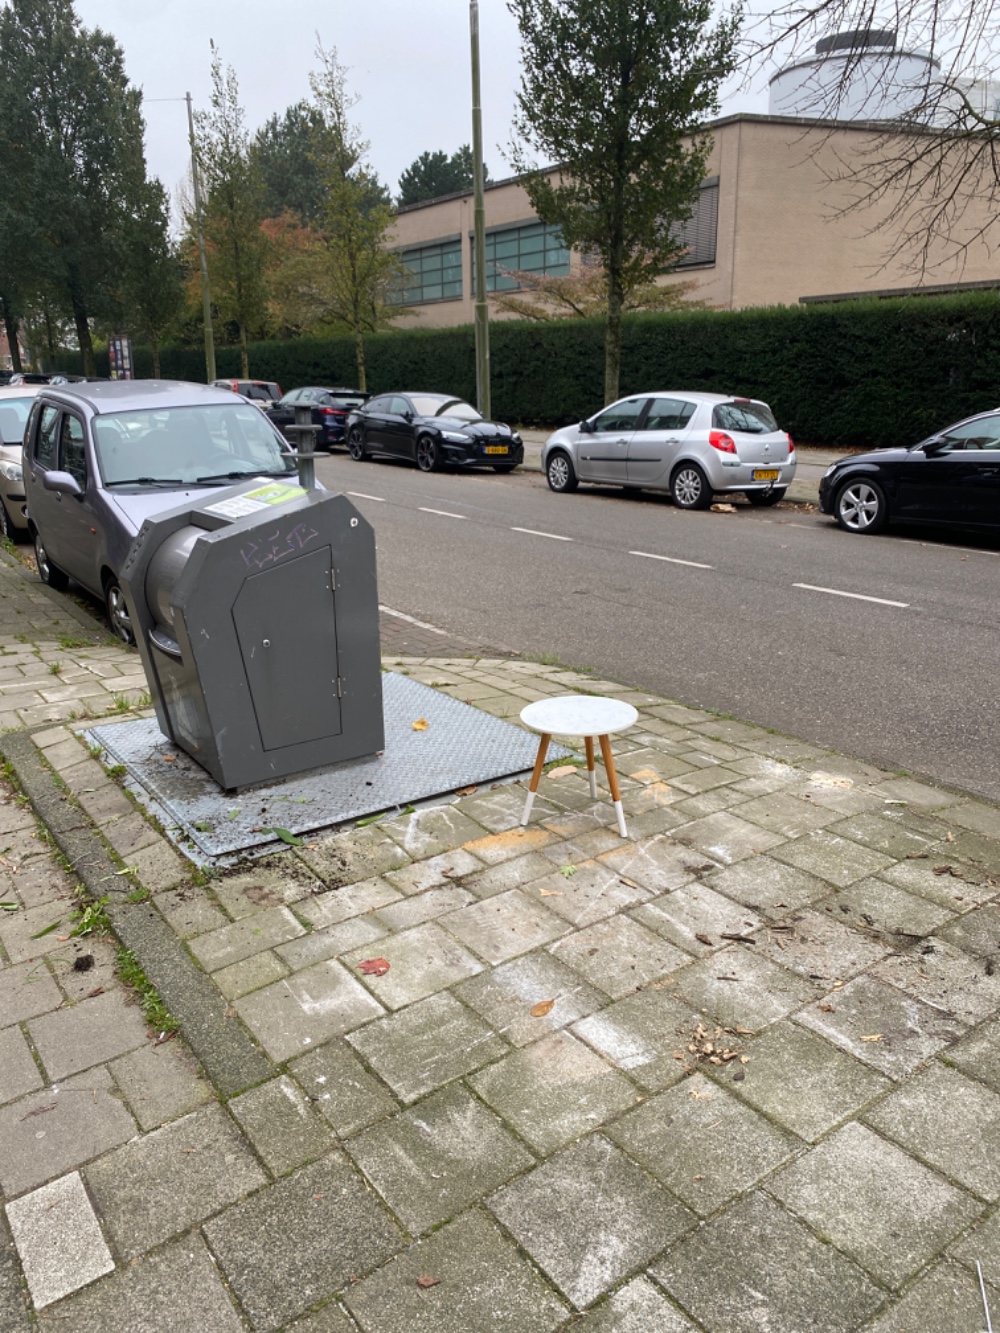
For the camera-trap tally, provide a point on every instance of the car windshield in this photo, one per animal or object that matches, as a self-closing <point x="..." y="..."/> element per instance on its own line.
<point x="751" y="418"/>
<point x="445" y="407"/>
<point x="13" y="416"/>
<point x="188" y="445"/>
<point x="347" y="399"/>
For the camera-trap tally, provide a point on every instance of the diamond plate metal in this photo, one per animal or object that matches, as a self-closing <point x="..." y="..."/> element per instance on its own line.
<point x="462" y="747"/>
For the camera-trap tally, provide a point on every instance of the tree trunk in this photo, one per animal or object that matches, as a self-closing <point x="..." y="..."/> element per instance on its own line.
<point x="613" y="339"/>
<point x="244" y="353"/>
<point x="49" y="344"/>
<point x="155" y="340"/>
<point x="359" y="358"/>
<point x="83" y="334"/>
<point x="10" y="325"/>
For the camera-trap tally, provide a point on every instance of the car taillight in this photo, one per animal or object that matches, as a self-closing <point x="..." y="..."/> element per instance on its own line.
<point x="791" y="444"/>
<point x="332" y="412"/>
<point x="718" y="439"/>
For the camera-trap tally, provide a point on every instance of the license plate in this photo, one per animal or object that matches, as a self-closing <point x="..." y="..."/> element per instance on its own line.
<point x="766" y="474"/>
<point x="502" y="449"/>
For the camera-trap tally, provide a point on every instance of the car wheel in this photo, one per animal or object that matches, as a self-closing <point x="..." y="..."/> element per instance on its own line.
<point x="356" y="445"/>
<point x="117" y="609"/>
<point x="860" y="506"/>
<point x="560" y="473"/>
<point x="47" y="571"/>
<point x="503" y="467"/>
<point x="8" y="532"/>
<point x="427" y="454"/>
<point x="689" y="487"/>
<point x="765" y="498"/>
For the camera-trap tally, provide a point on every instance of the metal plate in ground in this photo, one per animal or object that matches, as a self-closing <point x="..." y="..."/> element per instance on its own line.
<point x="461" y="747"/>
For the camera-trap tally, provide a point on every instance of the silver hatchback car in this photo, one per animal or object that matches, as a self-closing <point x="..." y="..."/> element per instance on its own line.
<point x="693" y="445"/>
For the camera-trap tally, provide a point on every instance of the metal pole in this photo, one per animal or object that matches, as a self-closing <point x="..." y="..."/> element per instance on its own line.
<point x="206" y="294"/>
<point x="482" y="308"/>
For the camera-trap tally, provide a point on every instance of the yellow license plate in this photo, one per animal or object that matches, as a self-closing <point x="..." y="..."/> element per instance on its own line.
<point x="766" y="474"/>
<point x="502" y="449"/>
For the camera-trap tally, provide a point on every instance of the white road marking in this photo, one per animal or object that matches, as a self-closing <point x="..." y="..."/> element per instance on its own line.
<point x="532" y="533"/>
<point x="360" y="495"/>
<point x="671" y="559"/>
<point x="421" y="624"/>
<point x="858" y="596"/>
<point x="940" y="546"/>
<point x="443" y="512"/>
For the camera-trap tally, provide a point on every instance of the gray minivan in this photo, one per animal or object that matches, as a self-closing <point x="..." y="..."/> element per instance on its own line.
<point x="100" y="458"/>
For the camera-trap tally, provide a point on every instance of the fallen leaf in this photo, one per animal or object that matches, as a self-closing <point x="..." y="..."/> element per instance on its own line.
<point x="941" y="870"/>
<point x="9" y="907"/>
<point x="284" y="835"/>
<point x="949" y="836"/>
<point x="916" y="856"/>
<point x="827" y="1009"/>
<point x="421" y="724"/>
<point x="98" y="990"/>
<point x="704" y="939"/>
<point x="47" y="930"/>
<point x="876" y="1036"/>
<point x="170" y="759"/>
<point x="374" y="967"/>
<point x="465" y="791"/>
<point x="542" y="1008"/>
<point x="629" y="883"/>
<point x="723" y="509"/>
<point x="425" y="1280"/>
<point x="551" y="893"/>
<point x="562" y="771"/>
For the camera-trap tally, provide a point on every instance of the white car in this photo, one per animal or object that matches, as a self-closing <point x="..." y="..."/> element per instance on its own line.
<point x="693" y="445"/>
<point x="15" y="405"/>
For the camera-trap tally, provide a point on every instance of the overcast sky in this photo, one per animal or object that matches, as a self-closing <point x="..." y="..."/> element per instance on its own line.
<point x="408" y="60"/>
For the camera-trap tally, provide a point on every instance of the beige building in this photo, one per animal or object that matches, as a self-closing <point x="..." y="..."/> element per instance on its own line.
<point x="767" y="230"/>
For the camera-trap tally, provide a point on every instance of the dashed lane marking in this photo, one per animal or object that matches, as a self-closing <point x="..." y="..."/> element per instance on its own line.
<point x="443" y="512"/>
<point x="533" y="533"/>
<point x="858" y="596"/>
<point x="421" y="624"/>
<point x="671" y="559"/>
<point x="360" y="495"/>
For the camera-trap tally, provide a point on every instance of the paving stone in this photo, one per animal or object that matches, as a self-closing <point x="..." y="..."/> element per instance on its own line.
<point x="154" y="1293"/>
<point x="727" y="838"/>
<point x="641" y="1035"/>
<point x="347" y="1096"/>
<point x="434" y="1160"/>
<point x="589" y="1216"/>
<point x="910" y="1031"/>
<point x="702" y="1143"/>
<point x="59" y="1239"/>
<point x="330" y="1319"/>
<point x="100" y="971"/>
<point x="554" y="1090"/>
<point x="638" y="1307"/>
<point x="894" y="830"/>
<point x="503" y="926"/>
<point x="20" y="1073"/>
<point x="742" y="989"/>
<point x="692" y="911"/>
<point x="981" y="1242"/>
<point x="161" y="1184"/>
<point x="506" y="995"/>
<point x="434" y="872"/>
<point x="947" y="977"/>
<point x="832" y="857"/>
<point x="504" y="846"/>
<point x="424" y="907"/>
<point x="432" y="830"/>
<point x="39" y="881"/>
<point x="973" y="886"/>
<point x="80" y="1120"/>
<point x="802" y="1081"/>
<point x="129" y="834"/>
<point x="87" y="1034"/>
<point x="159" y="867"/>
<point x="977" y="932"/>
<point x="339" y="904"/>
<point x="946" y="1299"/>
<point x="768" y="887"/>
<point x="329" y="943"/>
<point x="160" y="1083"/>
<point x="244" y="938"/>
<point x="874" y="1202"/>
<point x="322" y="1001"/>
<point x="189" y="911"/>
<point x="984" y="819"/>
<point x="421" y="961"/>
<point x="484" y="1284"/>
<point x="25" y="991"/>
<point x="499" y="811"/>
<point x="426" y="1045"/>
<point x="975" y="851"/>
<point x="885" y="907"/>
<point x="348" y="858"/>
<point x="949" y="1121"/>
<point x="592" y="892"/>
<point x="618" y="955"/>
<point x="978" y="1055"/>
<point x="300" y="1240"/>
<point x="14" y="1300"/>
<point x="820" y="946"/>
<point x="506" y="875"/>
<point x="649" y="765"/>
<point x="786" y="813"/>
<point x="273" y="881"/>
<point x="280" y="1123"/>
<point x="18" y="929"/>
<point x="260" y="969"/>
<point x="755" y="1268"/>
<point x="658" y="864"/>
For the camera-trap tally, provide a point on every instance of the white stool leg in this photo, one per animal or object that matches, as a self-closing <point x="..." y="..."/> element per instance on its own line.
<point x="616" y="796"/>
<point x="591" y="774"/>
<point x="536" y="777"/>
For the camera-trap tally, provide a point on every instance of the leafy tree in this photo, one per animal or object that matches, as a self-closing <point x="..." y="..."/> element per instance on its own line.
<point x="617" y="92"/>
<point x="154" y="287"/>
<point x="435" y="174"/>
<point x="282" y="152"/>
<point x="584" y="294"/>
<point x="236" y="246"/>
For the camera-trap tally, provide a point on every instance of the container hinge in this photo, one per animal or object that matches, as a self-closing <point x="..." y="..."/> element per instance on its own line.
<point x="340" y="688"/>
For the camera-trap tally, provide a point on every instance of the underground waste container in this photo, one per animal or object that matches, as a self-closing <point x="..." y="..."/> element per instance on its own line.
<point x="255" y="613"/>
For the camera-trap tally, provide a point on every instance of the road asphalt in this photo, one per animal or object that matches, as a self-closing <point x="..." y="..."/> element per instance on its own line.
<point x="878" y="646"/>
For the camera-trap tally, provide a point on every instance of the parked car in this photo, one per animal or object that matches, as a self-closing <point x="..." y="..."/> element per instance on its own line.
<point x="15" y="407"/>
<point x="28" y="377"/>
<point x="432" y="430"/>
<point x="951" y="477"/>
<point x="100" y="458"/>
<point x="330" y="410"/>
<point x="690" y="444"/>
<point x="264" y="392"/>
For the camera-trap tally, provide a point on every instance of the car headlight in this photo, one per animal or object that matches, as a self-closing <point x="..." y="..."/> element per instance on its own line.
<point x="832" y="468"/>
<point x="12" y="471"/>
<point x="516" y="438"/>
<point x="454" y="437"/>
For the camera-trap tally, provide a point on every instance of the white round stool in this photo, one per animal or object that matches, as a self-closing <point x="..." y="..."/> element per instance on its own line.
<point x="579" y="715"/>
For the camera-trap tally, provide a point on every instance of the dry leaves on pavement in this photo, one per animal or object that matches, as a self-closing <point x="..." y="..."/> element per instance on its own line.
<point x="542" y="1008"/>
<point x="374" y="967"/>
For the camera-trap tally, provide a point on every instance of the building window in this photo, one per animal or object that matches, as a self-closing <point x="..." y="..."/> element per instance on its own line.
<point x="432" y="273"/>
<point x="699" y="232"/>
<point x="533" y="248"/>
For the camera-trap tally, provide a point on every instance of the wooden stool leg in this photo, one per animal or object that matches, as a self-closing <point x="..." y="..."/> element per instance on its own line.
<point x="536" y="776"/>
<point x="589" y="742"/>
<point x="616" y="796"/>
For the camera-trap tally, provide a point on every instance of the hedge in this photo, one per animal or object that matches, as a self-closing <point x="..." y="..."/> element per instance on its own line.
<point x="860" y="373"/>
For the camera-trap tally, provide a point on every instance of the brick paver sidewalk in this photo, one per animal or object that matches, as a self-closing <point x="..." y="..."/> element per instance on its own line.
<point x="738" y="1073"/>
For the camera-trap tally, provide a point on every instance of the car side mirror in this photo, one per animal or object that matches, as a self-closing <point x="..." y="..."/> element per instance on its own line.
<point x="586" y="428"/>
<point x="407" y="416"/>
<point x="62" y="483"/>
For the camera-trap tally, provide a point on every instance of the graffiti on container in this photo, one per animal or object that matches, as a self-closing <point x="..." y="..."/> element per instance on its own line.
<point x="270" y="549"/>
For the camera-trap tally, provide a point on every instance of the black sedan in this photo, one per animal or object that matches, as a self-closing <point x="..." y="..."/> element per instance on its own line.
<point x="330" y="411"/>
<point x="432" y="430"/>
<point x="952" y="477"/>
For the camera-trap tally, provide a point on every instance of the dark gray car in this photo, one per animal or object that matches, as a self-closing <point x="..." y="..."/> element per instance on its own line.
<point x="100" y="458"/>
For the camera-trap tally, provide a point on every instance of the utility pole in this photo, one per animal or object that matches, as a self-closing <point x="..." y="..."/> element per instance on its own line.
<point x="199" y="220"/>
<point x="479" y="223"/>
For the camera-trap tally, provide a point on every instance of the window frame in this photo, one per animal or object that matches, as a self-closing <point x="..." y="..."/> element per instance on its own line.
<point x="67" y="419"/>
<point x="46" y="466"/>
<point x="521" y="235"/>
<point x="413" y="290"/>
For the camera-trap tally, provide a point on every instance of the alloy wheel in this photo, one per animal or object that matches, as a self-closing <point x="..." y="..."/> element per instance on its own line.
<point x="118" y="616"/>
<point x="6" y="527"/>
<point x="42" y="561"/>
<point x="559" y="472"/>
<point x="426" y="454"/>
<point x="858" y="506"/>
<point x="688" y="487"/>
<point x="356" y="445"/>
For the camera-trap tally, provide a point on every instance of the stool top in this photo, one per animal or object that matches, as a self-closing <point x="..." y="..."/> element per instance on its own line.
<point x="579" y="715"/>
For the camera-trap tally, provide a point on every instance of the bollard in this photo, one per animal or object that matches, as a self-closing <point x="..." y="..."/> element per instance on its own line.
<point x="304" y="432"/>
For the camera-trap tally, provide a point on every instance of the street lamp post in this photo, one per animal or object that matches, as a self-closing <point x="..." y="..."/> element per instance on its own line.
<point x="206" y="294"/>
<point x="479" y="223"/>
